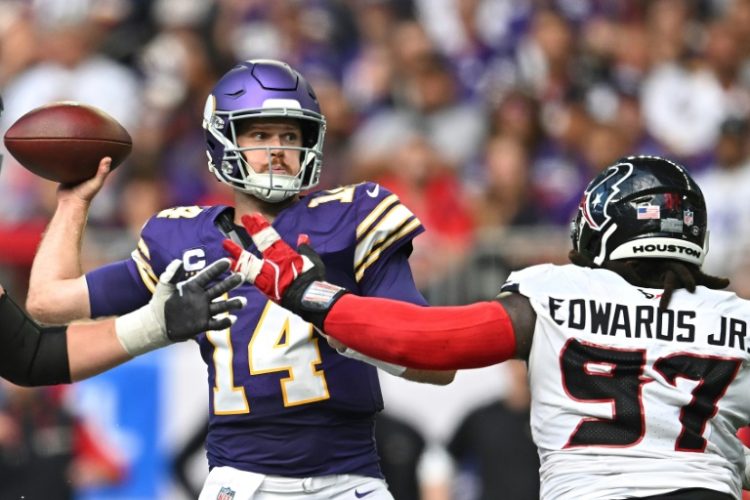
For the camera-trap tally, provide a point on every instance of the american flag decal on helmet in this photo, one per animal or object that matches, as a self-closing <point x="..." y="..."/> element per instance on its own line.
<point x="648" y="212"/>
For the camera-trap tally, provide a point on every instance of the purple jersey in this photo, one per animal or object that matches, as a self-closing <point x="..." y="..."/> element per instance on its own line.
<point x="282" y="401"/>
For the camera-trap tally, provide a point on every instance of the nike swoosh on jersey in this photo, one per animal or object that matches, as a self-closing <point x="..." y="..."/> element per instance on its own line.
<point x="363" y="494"/>
<point x="374" y="192"/>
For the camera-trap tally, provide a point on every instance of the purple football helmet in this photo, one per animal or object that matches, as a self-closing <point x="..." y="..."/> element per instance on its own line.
<point x="262" y="88"/>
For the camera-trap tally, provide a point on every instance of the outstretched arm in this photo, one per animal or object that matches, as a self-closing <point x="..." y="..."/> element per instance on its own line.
<point x="437" y="338"/>
<point x="58" y="292"/>
<point x="32" y="355"/>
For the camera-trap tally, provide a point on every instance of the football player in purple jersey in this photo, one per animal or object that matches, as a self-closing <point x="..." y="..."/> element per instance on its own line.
<point x="289" y="415"/>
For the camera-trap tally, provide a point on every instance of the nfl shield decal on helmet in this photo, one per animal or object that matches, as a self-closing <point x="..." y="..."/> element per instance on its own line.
<point x="687" y="217"/>
<point x="225" y="493"/>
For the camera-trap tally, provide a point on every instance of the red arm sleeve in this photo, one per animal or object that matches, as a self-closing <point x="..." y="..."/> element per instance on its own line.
<point x="436" y="338"/>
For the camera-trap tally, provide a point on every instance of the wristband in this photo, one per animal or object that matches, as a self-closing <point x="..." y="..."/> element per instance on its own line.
<point x="140" y="331"/>
<point x="315" y="302"/>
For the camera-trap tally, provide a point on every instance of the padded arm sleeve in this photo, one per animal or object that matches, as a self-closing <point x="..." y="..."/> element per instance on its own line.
<point x="31" y="355"/>
<point x="435" y="338"/>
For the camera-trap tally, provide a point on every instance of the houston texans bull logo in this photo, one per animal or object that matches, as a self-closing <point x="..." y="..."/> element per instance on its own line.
<point x="593" y="209"/>
<point x="596" y="199"/>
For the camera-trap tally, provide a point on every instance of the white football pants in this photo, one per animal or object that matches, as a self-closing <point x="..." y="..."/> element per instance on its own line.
<point x="228" y="483"/>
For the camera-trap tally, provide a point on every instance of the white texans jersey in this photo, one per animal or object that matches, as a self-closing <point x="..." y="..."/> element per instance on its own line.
<point x="629" y="401"/>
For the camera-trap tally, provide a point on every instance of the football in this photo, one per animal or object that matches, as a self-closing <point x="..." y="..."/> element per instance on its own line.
<point x="64" y="141"/>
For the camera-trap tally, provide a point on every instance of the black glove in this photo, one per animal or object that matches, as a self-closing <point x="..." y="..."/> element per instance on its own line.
<point x="310" y="296"/>
<point x="179" y="310"/>
<point x="191" y="308"/>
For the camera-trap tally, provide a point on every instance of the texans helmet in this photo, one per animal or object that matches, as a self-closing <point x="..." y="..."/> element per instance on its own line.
<point x="262" y="88"/>
<point x="642" y="207"/>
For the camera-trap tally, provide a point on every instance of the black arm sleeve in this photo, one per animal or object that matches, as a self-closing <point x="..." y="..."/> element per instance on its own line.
<point x="31" y="355"/>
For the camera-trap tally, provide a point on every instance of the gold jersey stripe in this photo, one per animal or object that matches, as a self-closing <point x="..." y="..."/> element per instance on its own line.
<point x="144" y="249"/>
<point x="395" y="218"/>
<point x="144" y="259"/>
<point x="364" y="226"/>
<point x="376" y="254"/>
<point x="145" y="271"/>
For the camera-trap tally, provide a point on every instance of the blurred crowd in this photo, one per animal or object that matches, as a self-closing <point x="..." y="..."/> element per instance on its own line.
<point x="482" y="115"/>
<point x="487" y="117"/>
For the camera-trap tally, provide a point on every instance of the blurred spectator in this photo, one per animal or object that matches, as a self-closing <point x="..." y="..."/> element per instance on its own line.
<point x="737" y="13"/>
<point x="631" y="56"/>
<point x="45" y="451"/>
<point x="628" y="119"/>
<point x="436" y="413"/>
<point x="688" y="95"/>
<point x="178" y="76"/>
<point x="670" y="29"/>
<point x="300" y="33"/>
<point x="501" y="197"/>
<point x="493" y="448"/>
<point x="559" y="172"/>
<point x="17" y="43"/>
<point x="431" y="189"/>
<point x="473" y="34"/>
<point x="517" y="114"/>
<point x="426" y="100"/>
<point x="142" y="196"/>
<point x="69" y="68"/>
<point x="604" y="145"/>
<point x="546" y="56"/>
<point x="726" y="187"/>
<point x="400" y="447"/>
<point x="340" y="122"/>
<point x="682" y="108"/>
<point x="368" y="79"/>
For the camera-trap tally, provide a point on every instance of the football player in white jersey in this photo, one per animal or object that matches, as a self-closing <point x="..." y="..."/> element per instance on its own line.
<point x="638" y="361"/>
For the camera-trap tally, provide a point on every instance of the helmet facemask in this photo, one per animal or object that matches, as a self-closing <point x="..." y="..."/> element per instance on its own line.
<point x="263" y="89"/>
<point x="268" y="186"/>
